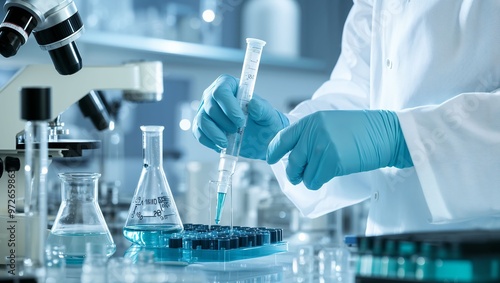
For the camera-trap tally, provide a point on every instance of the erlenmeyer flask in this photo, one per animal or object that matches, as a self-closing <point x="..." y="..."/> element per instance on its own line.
<point x="153" y="214"/>
<point x="79" y="220"/>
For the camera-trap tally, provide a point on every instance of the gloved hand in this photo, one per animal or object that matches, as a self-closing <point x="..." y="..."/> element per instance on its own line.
<point x="333" y="143"/>
<point x="220" y="113"/>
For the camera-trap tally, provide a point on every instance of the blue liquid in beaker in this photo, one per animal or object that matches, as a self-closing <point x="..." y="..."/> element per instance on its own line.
<point x="75" y="243"/>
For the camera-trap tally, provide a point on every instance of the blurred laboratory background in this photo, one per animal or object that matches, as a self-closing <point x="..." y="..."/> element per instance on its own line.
<point x="197" y="40"/>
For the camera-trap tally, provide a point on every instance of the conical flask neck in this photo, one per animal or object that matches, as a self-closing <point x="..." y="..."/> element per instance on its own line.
<point x="79" y="186"/>
<point x="152" y="146"/>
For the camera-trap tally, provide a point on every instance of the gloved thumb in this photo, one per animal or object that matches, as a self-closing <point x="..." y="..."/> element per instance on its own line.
<point x="283" y="142"/>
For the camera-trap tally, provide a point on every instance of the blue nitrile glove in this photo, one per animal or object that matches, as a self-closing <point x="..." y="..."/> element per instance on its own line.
<point x="220" y="113"/>
<point x="333" y="143"/>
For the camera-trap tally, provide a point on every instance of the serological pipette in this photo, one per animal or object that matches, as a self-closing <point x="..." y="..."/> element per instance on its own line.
<point x="229" y="155"/>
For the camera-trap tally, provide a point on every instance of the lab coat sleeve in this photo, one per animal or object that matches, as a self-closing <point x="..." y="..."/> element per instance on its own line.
<point x="455" y="147"/>
<point x="347" y="88"/>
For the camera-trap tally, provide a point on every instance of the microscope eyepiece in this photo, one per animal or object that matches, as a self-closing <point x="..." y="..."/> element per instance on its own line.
<point x="15" y="30"/>
<point x="55" y="30"/>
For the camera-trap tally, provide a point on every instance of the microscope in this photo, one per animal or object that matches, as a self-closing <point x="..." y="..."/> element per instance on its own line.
<point x="56" y="25"/>
<point x="139" y="81"/>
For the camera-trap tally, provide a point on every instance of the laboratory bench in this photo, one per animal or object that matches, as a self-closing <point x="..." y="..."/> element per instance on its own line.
<point x="274" y="268"/>
<point x="268" y="258"/>
<point x="426" y="257"/>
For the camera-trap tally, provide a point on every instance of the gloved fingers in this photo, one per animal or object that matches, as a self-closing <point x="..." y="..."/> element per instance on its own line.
<point x="204" y="140"/>
<point x="297" y="165"/>
<point x="317" y="171"/>
<point x="214" y="110"/>
<point x="208" y="133"/>
<point x="284" y="141"/>
<point x="261" y="111"/>
<point x="223" y="95"/>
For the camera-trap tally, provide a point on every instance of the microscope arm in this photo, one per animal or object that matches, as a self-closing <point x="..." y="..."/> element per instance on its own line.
<point x="44" y="11"/>
<point x="141" y="81"/>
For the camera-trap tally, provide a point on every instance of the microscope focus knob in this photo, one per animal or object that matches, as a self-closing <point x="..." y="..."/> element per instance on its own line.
<point x="12" y="164"/>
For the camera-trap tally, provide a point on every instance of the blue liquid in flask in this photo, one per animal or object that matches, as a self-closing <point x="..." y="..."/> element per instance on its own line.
<point x="151" y="235"/>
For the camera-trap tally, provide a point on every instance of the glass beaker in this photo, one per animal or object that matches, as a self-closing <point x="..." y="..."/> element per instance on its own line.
<point x="79" y="220"/>
<point x="153" y="214"/>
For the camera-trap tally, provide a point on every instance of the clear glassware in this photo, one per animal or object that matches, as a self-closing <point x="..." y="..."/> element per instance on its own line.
<point x="79" y="220"/>
<point x="55" y="264"/>
<point x="94" y="269"/>
<point x="36" y="108"/>
<point x="153" y="214"/>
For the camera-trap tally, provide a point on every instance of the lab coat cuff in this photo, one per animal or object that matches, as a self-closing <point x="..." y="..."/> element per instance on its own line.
<point x="338" y="193"/>
<point x="428" y="182"/>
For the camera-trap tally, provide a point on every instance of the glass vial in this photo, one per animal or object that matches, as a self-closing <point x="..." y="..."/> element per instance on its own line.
<point x="35" y="109"/>
<point x="79" y="220"/>
<point x="153" y="214"/>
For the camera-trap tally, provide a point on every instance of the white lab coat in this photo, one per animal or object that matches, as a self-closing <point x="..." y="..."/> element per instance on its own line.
<point x="437" y="64"/>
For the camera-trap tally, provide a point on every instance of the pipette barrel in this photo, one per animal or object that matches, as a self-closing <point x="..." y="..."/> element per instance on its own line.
<point x="229" y="155"/>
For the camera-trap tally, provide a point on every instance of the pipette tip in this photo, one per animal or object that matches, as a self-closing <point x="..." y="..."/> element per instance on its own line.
<point x="221" y="198"/>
